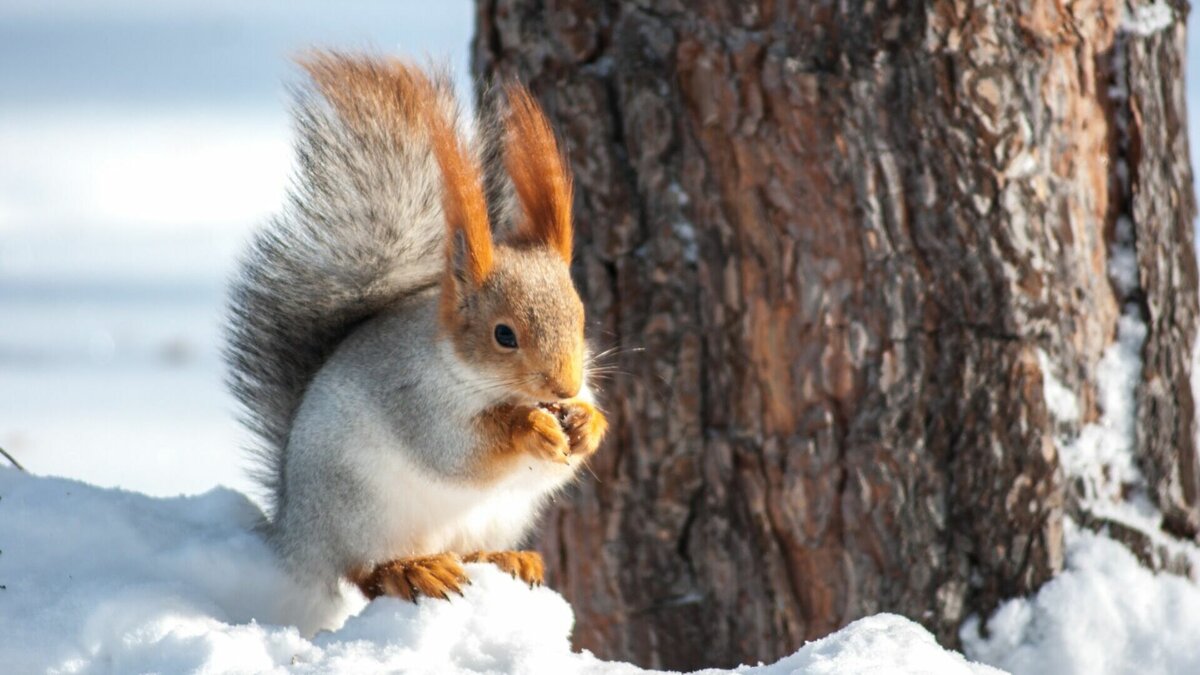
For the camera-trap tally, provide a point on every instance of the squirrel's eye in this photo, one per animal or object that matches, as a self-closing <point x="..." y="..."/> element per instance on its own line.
<point x="505" y="337"/>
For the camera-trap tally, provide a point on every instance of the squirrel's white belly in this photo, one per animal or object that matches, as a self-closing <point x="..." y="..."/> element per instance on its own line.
<point x="421" y="514"/>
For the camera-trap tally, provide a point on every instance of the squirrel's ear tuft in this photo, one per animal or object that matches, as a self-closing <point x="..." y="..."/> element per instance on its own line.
<point x="539" y="173"/>
<point x="469" y="240"/>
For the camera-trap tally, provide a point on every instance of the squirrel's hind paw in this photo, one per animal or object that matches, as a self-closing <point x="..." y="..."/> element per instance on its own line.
<point x="524" y="565"/>
<point x="434" y="576"/>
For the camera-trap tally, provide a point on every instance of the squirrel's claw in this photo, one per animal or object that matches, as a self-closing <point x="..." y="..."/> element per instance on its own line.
<point x="524" y="565"/>
<point x="434" y="576"/>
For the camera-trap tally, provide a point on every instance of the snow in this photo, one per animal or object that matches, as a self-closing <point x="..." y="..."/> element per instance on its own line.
<point x="95" y="579"/>
<point x="1102" y="456"/>
<point x="1105" y="613"/>
<point x="1060" y="401"/>
<point x="883" y="643"/>
<point x="1146" y="19"/>
<point x="1122" y="259"/>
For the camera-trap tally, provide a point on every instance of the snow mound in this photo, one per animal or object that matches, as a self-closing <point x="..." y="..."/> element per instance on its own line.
<point x="1105" y="613"/>
<point x="105" y="580"/>
<point x="884" y="643"/>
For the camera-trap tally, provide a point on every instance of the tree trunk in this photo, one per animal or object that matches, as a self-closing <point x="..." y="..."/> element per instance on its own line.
<point x="837" y="244"/>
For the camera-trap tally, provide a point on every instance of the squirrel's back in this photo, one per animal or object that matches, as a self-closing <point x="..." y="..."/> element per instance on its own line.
<point x="362" y="227"/>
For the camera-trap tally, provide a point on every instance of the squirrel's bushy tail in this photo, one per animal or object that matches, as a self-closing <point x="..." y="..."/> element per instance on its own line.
<point x="362" y="227"/>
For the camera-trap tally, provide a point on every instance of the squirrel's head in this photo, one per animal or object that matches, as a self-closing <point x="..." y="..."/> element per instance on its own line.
<point x="510" y="307"/>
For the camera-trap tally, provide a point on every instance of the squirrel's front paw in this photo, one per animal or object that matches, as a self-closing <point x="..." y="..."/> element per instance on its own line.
<point x="539" y="433"/>
<point x="583" y="424"/>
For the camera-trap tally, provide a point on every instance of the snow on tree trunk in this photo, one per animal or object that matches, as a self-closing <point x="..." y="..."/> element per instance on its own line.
<point x="843" y="248"/>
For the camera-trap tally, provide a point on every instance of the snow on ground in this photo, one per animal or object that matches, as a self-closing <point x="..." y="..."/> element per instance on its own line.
<point x="1105" y="613"/>
<point x="103" y="580"/>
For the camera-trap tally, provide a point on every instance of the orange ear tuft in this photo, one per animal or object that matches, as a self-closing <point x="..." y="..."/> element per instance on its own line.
<point x="462" y="200"/>
<point x="539" y="173"/>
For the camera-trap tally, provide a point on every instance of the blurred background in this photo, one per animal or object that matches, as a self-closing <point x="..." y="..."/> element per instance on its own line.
<point x="140" y="142"/>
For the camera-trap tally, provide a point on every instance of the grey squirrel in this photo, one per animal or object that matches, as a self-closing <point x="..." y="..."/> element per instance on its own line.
<point x="417" y="385"/>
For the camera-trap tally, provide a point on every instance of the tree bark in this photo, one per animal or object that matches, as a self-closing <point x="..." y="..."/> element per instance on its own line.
<point x="837" y="243"/>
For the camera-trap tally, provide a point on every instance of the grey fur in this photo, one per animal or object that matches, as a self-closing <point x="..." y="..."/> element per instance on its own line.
<point x="361" y="228"/>
<point x="501" y="197"/>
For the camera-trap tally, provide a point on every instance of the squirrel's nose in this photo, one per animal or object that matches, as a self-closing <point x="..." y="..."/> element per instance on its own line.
<point x="566" y="385"/>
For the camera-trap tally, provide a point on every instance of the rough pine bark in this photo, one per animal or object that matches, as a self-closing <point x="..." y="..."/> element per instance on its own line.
<point x="836" y="244"/>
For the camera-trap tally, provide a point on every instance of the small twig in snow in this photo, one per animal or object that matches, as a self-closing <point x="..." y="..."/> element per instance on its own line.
<point x="11" y="459"/>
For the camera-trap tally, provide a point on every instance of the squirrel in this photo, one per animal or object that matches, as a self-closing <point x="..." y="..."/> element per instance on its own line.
<point x="417" y="383"/>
